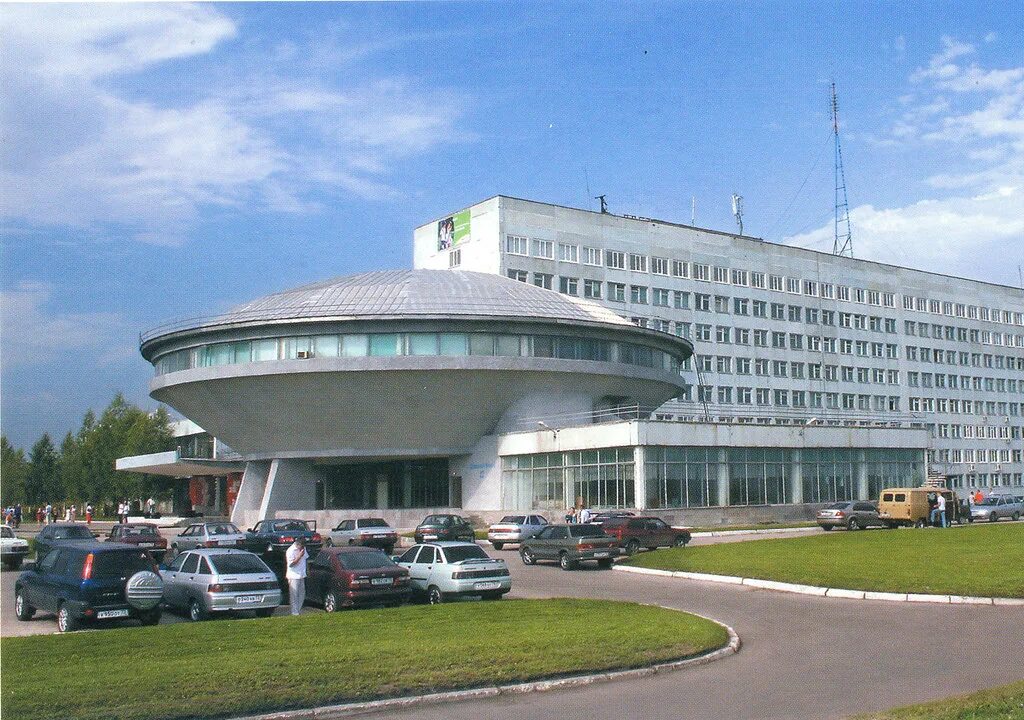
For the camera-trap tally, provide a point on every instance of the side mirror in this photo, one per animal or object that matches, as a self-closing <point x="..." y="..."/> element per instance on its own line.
<point x="251" y="530"/>
<point x="396" y="558"/>
<point x="162" y="566"/>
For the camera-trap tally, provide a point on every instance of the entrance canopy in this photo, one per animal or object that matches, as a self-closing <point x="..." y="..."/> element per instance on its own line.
<point x="171" y="464"/>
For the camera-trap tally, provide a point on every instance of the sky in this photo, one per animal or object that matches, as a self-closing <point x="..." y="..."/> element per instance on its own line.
<point x="160" y="161"/>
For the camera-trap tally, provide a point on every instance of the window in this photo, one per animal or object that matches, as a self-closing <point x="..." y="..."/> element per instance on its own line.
<point x="659" y="266"/>
<point x="681" y="299"/>
<point x="843" y="292"/>
<point x="568" y="253"/>
<point x="680" y="269"/>
<point x="703" y="332"/>
<point x="638" y="294"/>
<point x="520" y="275"/>
<point x="760" y="338"/>
<point x="615" y="259"/>
<point x="701" y="272"/>
<point x="516" y="245"/>
<point x="543" y="280"/>
<point x="792" y="285"/>
<point x="568" y="286"/>
<point x="721" y="304"/>
<point x="543" y="249"/>
<point x="720" y="274"/>
<point x="739" y="277"/>
<point x="742" y="336"/>
<point x="778" y="339"/>
<point x="702" y="302"/>
<point x="760" y="308"/>
<point x="810" y="288"/>
<point x="757" y="280"/>
<point x="723" y="334"/>
<point x="775" y="282"/>
<point x="592" y="256"/>
<point x="617" y="292"/>
<point x="741" y="306"/>
<point x="592" y="289"/>
<point x="454" y="258"/>
<point x="795" y="313"/>
<point x="778" y="311"/>
<point x="660" y="297"/>
<point x="637" y="263"/>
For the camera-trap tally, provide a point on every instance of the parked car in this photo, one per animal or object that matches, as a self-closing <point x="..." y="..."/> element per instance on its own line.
<point x="911" y="506"/>
<point x="270" y="539"/>
<point x="995" y="507"/>
<point x="141" y="535"/>
<point x="444" y="527"/>
<point x="634" y="533"/>
<point x="12" y="548"/>
<point x="208" y="535"/>
<point x="442" y="570"/>
<point x="849" y="514"/>
<point x="58" y="534"/>
<point x="348" y="576"/>
<point x="570" y="545"/>
<point x="599" y="518"/>
<point x="368" y="532"/>
<point x="205" y="582"/>
<point x="515" y="529"/>
<point x="87" y="581"/>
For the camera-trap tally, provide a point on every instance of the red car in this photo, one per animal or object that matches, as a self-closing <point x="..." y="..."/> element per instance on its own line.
<point x="634" y="533"/>
<point x="355" y="575"/>
<point x="142" y="535"/>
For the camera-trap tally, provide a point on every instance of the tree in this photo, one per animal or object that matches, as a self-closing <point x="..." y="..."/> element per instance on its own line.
<point x="13" y="471"/>
<point x="42" y="483"/>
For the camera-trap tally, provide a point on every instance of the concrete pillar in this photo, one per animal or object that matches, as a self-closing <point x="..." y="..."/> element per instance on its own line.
<point x="723" y="476"/>
<point x="245" y="513"/>
<point x="796" y="478"/>
<point x="860" y="474"/>
<point x="406" y="484"/>
<point x="640" y="477"/>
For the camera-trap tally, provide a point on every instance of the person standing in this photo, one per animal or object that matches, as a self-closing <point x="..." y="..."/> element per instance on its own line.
<point x="150" y="507"/>
<point x="939" y="511"/>
<point x="17" y="515"/>
<point x="49" y="513"/>
<point x="73" y="512"/>
<point x="585" y="516"/>
<point x="978" y="496"/>
<point x="295" y="558"/>
<point x="88" y="513"/>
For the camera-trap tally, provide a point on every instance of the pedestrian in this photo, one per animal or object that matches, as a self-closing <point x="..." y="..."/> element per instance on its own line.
<point x="938" y="515"/>
<point x="150" y="507"/>
<point x="9" y="516"/>
<point x="74" y="513"/>
<point x="49" y="513"/>
<point x="39" y="514"/>
<point x="67" y="513"/>
<point x="585" y="515"/>
<point x="88" y="513"/>
<point x="17" y="515"/>
<point x="978" y="496"/>
<point x="295" y="573"/>
<point x="570" y="515"/>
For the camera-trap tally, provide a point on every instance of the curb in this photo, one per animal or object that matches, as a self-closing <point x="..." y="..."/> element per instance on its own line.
<point x="329" y="712"/>
<point x="764" y="531"/>
<point x="825" y="592"/>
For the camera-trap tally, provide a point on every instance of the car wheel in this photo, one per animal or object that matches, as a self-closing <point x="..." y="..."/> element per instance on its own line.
<point x="605" y="563"/>
<point x="330" y="602"/>
<point x="196" y="611"/>
<point x="682" y="541"/>
<point x="14" y="564"/>
<point x="920" y="523"/>
<point x="65" y="622"/>
<point x="434" y="595"/>
<point x="632" y="547"/>
<point x="527" y="557"/>
<point x="826" y="528"/>
<point x="492" y="596"/>
<point x="329" y="543"/>
<point x="1016" y="516"/>
<point x="498" y="545"/>
<point x="150" y="618"/>
<point x="853" y="524"/>
<point x="22" y="609"/>
<point x="993" y="517"/>
<point x="265" y="612"/>
<point x="565" y="562"/>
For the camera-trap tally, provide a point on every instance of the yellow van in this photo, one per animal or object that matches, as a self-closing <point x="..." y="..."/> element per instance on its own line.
<point x="911" y="506"/>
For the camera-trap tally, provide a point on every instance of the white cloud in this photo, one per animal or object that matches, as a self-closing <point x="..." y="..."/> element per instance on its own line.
<point x="34" y="336"/>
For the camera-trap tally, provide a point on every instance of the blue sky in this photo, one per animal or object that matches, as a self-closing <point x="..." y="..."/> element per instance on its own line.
<point x="167" y="160"/>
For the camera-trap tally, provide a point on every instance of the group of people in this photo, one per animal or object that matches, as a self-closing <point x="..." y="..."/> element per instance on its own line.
<point x="12" y="515"/>
<point x="48" y="514"/>
<point x="581" y="515"/>
<point x="937" y="503"/>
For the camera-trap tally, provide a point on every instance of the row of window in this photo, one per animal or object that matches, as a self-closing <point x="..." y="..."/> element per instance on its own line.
<point x="981" y="480"/>
<point x="768" y="397"/>
<point x="980" y="455"/>
<point x="964" y="382"/>
<point x="392" y="344"/>
<point x="726" y="365"/>
<point x="638" y="262"/>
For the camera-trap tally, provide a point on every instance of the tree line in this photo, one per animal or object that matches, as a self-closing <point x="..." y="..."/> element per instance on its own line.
<point x="82" y="469"/>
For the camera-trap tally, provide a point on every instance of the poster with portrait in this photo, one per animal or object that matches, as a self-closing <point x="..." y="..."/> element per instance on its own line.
<point x="453" y="230"/>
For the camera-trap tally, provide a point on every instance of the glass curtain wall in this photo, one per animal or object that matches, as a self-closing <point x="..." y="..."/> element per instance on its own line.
<point x="552" y="481"/>
<point x="682" y="477"/>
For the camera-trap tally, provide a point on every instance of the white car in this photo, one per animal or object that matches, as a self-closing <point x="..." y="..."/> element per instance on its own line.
<point x="12" y="548"/>
<point x="447" y="569"/>
<point x="515" y="529"/>
<point x="369" y="532"/>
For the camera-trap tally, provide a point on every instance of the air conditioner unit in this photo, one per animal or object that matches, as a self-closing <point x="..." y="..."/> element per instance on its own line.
<point x="304" y="354"/>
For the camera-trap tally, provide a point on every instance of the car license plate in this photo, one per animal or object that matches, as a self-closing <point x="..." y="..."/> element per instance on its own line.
<point x="248" y="599"/>
<point x="601" y="554"/>
<point x="146" y="544"/>
<point x="494" y="585"/>
<point x="430" y="537"/>
<point x="105" y="614"/>
<point x="382" y="581"/>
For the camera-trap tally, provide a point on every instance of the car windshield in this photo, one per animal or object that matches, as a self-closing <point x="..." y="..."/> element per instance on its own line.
<point x="514" y="519"/>
<point x="364" y="560"/>
<point x="238" y="563"/>
<point x="373" y="522"/>
<point x="222" y="529"/>
<point x="465" y="552"/>
<point x="438" y="520"/>
<point x="148" y="530"/>
<point x="586" y="531"/>
<point x="72" y="532"/>
<point x="836" y="506"/>
<point x="120" y="564"/>
<point x="989" y="501"/>
<point x="289" y="526"/>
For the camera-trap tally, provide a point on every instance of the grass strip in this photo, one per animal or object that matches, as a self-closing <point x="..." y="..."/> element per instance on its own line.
<point x="758" y="526"/>
<point x="234" y="667"/>
<point x="1000" y="703"/>
<point x="981" y="560"/>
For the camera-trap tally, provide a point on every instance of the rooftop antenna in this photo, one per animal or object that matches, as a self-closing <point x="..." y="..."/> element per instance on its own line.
<point x="604" y="203"/>
<point x="842" y="243"/>
<point x="737" y="210"/>
<point x="693" y="210"/>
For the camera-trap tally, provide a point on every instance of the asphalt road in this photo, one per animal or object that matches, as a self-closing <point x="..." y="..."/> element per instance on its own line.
<point x="802" y="657"/>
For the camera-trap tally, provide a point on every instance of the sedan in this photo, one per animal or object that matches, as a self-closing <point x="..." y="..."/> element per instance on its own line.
<point x="368" y="532"/>
<point x="444" y="570"/>
<point x="142" y="535"/>
<point x="995" y="507"/>
<point x="851" y="515"/>
<point x="57" y="534"/>
<point x="12" y="548"/>
<point x="350" y="576"/>
<point x="208" y="535"/>
<point x="570" y="545"/>
<point x="444" y="527"/>
<point x="214" y="581"/>
<point x="515" y="529"/>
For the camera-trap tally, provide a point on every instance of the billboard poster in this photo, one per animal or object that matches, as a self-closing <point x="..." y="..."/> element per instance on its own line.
<point x="453" y="230"/>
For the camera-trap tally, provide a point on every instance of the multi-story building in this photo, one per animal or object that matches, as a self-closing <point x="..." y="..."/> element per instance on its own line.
<point x="783" y="335"/>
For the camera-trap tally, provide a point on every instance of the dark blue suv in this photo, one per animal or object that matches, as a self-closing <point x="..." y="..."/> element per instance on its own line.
<point x="88" y="581"/>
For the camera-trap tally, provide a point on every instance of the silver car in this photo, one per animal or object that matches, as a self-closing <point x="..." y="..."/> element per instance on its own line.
<point x="208" y="535"/>
<point x="850" y="514"/>
<point x="515" y="529"/>
<point x="446" y="569"/>
<point x="368" y="532"/>
<point x="208" y="581"/>
<point x="996" y="507"/>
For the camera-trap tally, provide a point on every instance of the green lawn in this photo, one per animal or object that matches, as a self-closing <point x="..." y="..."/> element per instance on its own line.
<point x="758" y="526"/>
<point x="1001" y="703"/>
<point x="232" y="667"/>
<point x="986" y="560"/>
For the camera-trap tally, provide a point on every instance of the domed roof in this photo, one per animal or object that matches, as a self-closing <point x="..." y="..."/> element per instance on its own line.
<point x="395" y="294"/>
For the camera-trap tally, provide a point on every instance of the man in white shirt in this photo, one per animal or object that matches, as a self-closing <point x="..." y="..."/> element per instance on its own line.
<point x="940" y="510"/>
<point x="295" y="558"/>
<point x="585" y="515"/>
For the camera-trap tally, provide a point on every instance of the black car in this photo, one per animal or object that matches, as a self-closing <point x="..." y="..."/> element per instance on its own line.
<point x="444" y="527"/>
<point x="271" y="539"/>
<point x="58" y="534"/>
<point x="87" y="581"/>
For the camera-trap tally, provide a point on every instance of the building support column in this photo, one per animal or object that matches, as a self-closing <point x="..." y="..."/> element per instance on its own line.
<point x="406" y="484"/>
<point x="640" y="477"/>
<point x="860" y="473"/>
<point x="723" y="476"/>
<point x="796" y="478"/>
